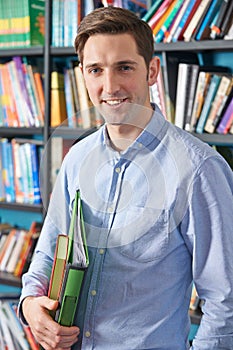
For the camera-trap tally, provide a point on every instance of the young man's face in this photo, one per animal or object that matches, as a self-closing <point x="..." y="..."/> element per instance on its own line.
<point x="116" y="75"/>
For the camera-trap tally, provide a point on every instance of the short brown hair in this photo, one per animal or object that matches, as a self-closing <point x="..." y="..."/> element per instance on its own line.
<point x="116" y="20"/>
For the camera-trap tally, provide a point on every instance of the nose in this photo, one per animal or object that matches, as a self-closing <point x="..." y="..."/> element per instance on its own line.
<point x="111" y="83"/>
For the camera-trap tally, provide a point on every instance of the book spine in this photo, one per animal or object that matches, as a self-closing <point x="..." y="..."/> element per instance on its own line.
<point x="207" y="104"/>
<point x="226" y="120"/>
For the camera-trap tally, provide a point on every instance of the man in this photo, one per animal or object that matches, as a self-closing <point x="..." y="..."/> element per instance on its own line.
<point x="157" y="205"/>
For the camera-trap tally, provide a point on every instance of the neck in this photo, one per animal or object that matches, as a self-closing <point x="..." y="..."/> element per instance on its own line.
<point x="123" y="135"/>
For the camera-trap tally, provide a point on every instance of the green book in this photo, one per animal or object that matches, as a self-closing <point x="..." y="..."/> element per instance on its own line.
<point x="70" y="263"/>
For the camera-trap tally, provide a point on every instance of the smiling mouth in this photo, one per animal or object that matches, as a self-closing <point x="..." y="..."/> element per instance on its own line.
<point x="115" y="102"/>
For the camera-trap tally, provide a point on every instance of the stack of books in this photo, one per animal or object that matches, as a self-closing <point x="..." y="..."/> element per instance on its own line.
<point x="21" y="23"/>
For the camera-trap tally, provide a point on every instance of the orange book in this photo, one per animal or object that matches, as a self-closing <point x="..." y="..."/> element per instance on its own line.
<point x="58" y="103"/>
<point x="8" y="101"/>
<point x="58" y="270"/>
<point x="35" y="227"/>
<point x="40" y="95"/>
<point x="159" y="13"/>
<point x="163" y="18"/>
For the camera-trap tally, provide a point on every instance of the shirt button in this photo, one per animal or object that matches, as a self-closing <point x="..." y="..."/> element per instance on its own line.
<point x="87" y="334"/>
<point x="101" y="251"/>
<point x="118" y="170"/>
<point x="93" y="292"/>
<point x="110" y="210"/>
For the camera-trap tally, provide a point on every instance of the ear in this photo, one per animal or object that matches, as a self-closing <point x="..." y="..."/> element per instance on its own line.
<point x="81" y="67"/>
<point x="154" y="68"/>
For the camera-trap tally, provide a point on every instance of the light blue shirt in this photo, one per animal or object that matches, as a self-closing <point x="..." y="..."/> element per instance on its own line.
<point x="158" y="216"/>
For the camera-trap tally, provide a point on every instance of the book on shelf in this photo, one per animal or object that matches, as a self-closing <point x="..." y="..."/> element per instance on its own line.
<point x="226" y="120"/>
<point x="227" y="21"/>
<point x="59" y="147"/>
<point x="13" y="334"/>
<point x="216" y="28"/>
<point x="224" y="86"/>
<point x="70" y="99"/>
<point x="28" y="248"/>
<point x="11" y="118"/>
<point x="212" y="89"/>
<point x="7" y="170"/>
<point x="22" y="23"/>
<point x="170" y="67"/>
<point x="183" y="78"/>
<point x="197" y="15"/>
<point x="84" y="115"/>
<point x="204" y="76"/>
<point x="190" y="96"/>
<point x="158" y="13"/>
<point x="163" y="32"/>
<point x="69" y="267"/>
<point x="58" y="103"/>
<point x="163" y="19"/>
<point x="7" y="248"/>
<point x="185" y="20"/>
<point x="152" y="9"/>
<point x="176" y="21"/>
<point x="15" y="253"/>
<point x="204" y="29"/>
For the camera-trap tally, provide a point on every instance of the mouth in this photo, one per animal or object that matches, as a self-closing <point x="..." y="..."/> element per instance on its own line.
<point x="115" y="102"/>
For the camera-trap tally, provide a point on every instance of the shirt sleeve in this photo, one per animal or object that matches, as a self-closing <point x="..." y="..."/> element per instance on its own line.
<point x="208" y="228"/>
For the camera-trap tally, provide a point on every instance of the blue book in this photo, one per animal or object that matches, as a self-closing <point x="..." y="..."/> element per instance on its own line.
<point x="35" y="174"/>
<point x="214" y="83"/>
<point x="212" y="11"/>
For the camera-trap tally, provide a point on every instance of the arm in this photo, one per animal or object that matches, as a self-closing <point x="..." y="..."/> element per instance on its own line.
<point x="34" y="304"/>
<point x="209" y="226"/>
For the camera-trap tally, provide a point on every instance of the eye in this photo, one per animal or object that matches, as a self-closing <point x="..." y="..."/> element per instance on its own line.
<point x="94" y="71"/>
<point x="125" y="68"/>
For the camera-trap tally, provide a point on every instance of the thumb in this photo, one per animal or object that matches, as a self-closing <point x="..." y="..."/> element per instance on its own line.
<point x="49" y="304"/>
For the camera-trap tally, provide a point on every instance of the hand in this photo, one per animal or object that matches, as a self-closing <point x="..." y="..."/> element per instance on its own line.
<point x="46" y="331"/>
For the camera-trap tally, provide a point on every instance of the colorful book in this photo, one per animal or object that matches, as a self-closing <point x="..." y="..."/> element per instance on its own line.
<point x="164" y="30"/>
<point x="214" y="83"/>
<point x="227" y="119"/>
<point x="176" y="22"/>
<point x="190" y="10"/>
<point x="219" y="97"/>
<point x="154" y="7"/>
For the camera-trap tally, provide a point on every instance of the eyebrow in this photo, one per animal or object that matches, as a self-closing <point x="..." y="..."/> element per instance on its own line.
<point x="119" y="63"/>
